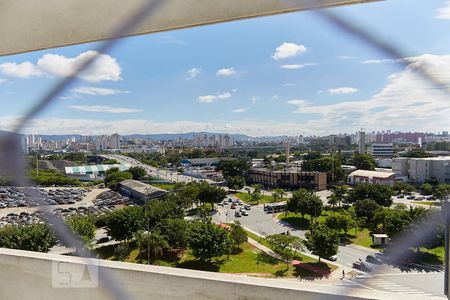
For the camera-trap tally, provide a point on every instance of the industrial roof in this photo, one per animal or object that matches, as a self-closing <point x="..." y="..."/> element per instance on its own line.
<point x="143" y="188"/>
<point x="78" y="170"/>
<point x="366" y="173"/>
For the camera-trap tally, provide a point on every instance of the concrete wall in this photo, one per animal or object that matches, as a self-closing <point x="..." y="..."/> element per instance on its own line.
<point x="29" y="275"/>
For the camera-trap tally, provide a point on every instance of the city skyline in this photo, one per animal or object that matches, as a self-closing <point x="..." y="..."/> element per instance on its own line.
<point x="256" y="77"/>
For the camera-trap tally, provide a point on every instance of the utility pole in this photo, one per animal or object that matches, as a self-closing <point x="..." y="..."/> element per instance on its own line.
<point x="37" y="164"/>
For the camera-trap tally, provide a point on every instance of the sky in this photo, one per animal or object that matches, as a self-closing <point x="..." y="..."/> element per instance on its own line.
<point x="288" y="74"/>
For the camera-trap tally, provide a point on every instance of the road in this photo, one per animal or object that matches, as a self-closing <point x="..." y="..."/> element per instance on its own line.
<point x="387" y="278"/>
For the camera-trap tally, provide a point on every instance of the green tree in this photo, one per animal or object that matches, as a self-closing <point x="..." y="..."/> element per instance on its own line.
<point x="427" y="189"/>
<point x="338" y="195"/>
<point x="238" y="235"/>
<point x="137" y="172"/>
<point x="278" y="194"/>
<point x="325" y="164"/>
<point x="83" y="226"/>
<point x="207" y="240"/>
<point x="366" y="209"/>
<point x="140" y="237"/>
<point x="403" y="187"/>
<point x="35" y="237"/>
<point x="112" y="179"/>
<point x="298" y="203"/>
<point x="211" y="194"/>
<point x="122" y="251"/>
<point x="380" y="193"/>
<point x="122" y="223"/>
<point x="233" y="168"/>
<point x="339" y="221"/>
<point x="156" y="245"/>
<point x="284" y="245"/>
<point x="175" y="231"/>
<point x="392" y="221"/>
<point x="235" y="182"/>
<point x="441" y="190"/>
<point x="315" y="206"/>
<point x="363" y="161"/>
<point x="322" y="241"/>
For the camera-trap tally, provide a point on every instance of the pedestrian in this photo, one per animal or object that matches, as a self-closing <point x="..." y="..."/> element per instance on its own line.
<point x="343" y="274"/>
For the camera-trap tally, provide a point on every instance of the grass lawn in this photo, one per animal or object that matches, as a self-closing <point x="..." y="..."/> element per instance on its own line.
<point x="249" y="260"/>
<point x="362" y="237"/>
<point x="430" y="203"/>
<point x="433" y="255"/>
<point x="164" y="186"/>
<point x="247" y="198"/>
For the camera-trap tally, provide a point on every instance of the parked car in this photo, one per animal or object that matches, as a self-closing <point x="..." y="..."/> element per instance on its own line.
<point x="247" y="207"/>
<point x="233" y="206"/>
<point x="244" y="213"/>
<point x="360" y="265"/>
<point x="411" y="197"/>
<point x="373" y="260"/>
<point x="237" y="214"/>
<point x="401" y="196"/>
<point x="332" y="258"/>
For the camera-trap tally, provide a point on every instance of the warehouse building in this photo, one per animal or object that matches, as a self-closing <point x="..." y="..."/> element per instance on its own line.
<point x="140" y="190"/>
<point x="94" y="172"/>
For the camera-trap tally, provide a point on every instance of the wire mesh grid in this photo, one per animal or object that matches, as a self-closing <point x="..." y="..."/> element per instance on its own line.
<point x="13" y="164"/>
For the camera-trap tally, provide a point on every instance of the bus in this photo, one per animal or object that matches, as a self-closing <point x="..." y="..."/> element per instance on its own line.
<point x="275" y="207"/>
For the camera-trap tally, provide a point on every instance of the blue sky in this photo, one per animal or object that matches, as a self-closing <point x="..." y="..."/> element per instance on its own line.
<point x="287" y="74"/>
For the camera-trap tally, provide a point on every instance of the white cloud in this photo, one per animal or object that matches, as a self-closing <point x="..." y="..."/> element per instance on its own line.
<point x="297" y="66"/>
<point x="298" y="102"/>
<point x="287" y="50"/>
<point x="346" y="57"/>
<point x="405" y="103"/>
<point x="444" y="12"/>
<point x="95" y="91"/>
<point x="3" y="80"/>
<point x="342" y="90"/>
<point x="104" y="109"/>
<point x="226" y="72"/>
<point x="241" y="110"/>
<point x="104" y="68"/>
<point x="192" y="73"/>
<point x="20" y="70"/>
<point x="212" y="98"/>
<point x="381" y="61"/>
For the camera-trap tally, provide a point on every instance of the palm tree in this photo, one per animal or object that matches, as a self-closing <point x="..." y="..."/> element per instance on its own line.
<point x="140" y="237"/>
<point x="156" y="244"/>
<point x="277" y="194"/>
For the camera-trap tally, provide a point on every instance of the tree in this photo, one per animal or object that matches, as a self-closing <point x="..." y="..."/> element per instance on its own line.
<point x="158" y="210"/>
<point x="174" y="231"/>
<point x="122" y="223"/>
<point x="366" y="209"/>
<point x="238" y="235"/>
<point x="139" y="236"/>
<point x="283" y="244"/>
<point x="392" y="221"/>
<point x="122" y="251"/>
<point x="298" y="203"/>
<point x="233" y="168"/>
<point x="211" y="194"/>
<point x="315" y="206"/>
<point x="207" y="240"/>
<point x="235" y="182"/>
<point x="137" y="172"/>
<point x="339" y="221"/>
<point x="82" y="226"/>
<point x="403" y="187"/>
<point x="325" y="164"/>
<point x="380" y="193"/>
<point x="35" y="237"/>
<point x="338" y="195"/>
<point x="363" y="161"/>
<point x="156" y="245"/>
<point x="427" y="189"/>
<point x="441" y="190"/>
<point x="322" y="241"/>
<point x="278" y="194"/>
<point x="113" y="178"/>
<point x="312" y="155"/>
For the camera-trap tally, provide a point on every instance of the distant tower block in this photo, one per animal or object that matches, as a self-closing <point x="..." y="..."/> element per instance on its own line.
<point x="362" y="142"/>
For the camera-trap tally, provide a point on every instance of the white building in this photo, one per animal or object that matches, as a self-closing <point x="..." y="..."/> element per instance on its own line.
<point x="382" y="150"/>
<point x="364" y="176"/>
<point x="421" y="169"/>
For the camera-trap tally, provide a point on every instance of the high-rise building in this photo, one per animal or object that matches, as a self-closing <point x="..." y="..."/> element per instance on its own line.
<point x="114" y="142"/>
<point x="362" y="142"/>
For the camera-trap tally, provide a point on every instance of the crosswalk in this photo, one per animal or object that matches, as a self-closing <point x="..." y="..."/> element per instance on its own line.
<point x="395" y="287"/>
<point x="383" y="285"/>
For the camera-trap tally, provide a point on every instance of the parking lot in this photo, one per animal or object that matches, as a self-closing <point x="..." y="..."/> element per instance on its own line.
<point x="67" y="202"/>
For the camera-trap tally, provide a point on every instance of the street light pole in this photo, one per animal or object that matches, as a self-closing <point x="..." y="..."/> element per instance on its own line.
<point x="446" y="213"/>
